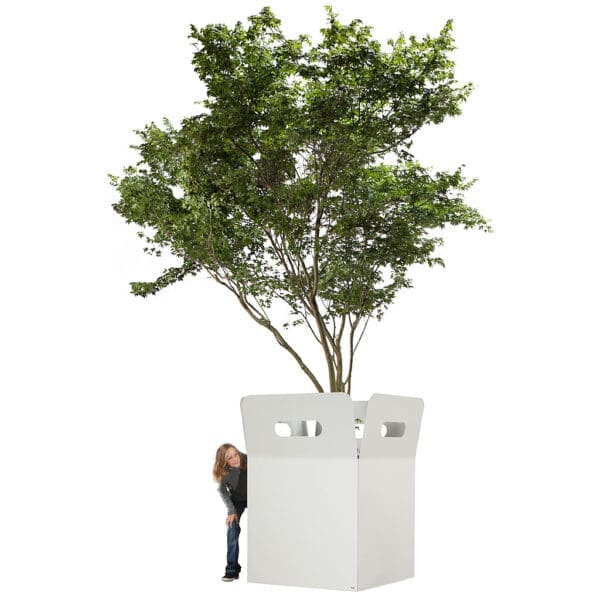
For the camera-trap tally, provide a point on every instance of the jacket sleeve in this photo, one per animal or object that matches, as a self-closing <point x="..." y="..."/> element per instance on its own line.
<point x="224" y="493"/>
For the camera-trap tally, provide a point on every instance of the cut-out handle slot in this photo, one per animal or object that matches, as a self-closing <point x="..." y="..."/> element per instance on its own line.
<point x="393" y="429"/>
<point x="308" y="428"/>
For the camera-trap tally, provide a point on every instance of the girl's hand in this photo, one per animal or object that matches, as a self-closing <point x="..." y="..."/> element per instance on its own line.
<point x="230" y="519"/>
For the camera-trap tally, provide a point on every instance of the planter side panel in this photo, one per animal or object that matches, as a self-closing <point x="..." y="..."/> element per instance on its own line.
<point x="386" y="491"/>
<point x="386" y="521"/>
<point x="302" y="492"/>
<point x="304" y="533"/>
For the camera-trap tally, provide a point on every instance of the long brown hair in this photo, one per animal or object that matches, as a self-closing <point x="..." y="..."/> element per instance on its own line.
<point x="220" y="467"/>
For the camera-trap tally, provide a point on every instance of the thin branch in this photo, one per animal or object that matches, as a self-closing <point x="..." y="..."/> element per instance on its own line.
<point x="306" y="320"/>
<point x="302" y="314"/>
<point x="362" y="333"/>
<point x="287" y="260"/>
<point x="353" y="326"/>
<point x="257" y="316"/>
<point x="338" y="353"/>
<point x="260" y="317"/>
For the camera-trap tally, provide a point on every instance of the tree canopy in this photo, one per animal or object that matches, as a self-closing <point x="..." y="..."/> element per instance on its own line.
<point x="295" y="183"/>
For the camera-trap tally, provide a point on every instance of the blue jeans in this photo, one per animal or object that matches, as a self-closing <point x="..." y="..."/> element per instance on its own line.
<point x="233" y="547"/>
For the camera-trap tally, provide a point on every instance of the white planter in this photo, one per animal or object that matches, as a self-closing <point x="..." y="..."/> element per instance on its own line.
<point x="330" y="510"/>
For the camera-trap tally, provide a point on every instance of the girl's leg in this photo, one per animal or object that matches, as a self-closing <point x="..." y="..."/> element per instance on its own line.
<point x="233" y="547"/>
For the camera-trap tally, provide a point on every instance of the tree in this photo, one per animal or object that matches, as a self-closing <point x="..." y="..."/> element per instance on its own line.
<point x="296" y="184"/>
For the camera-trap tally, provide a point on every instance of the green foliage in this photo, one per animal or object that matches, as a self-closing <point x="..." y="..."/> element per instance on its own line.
<point x="296" y="181"/>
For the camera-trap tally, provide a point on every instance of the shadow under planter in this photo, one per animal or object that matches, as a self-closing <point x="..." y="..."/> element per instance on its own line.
<point x="326" y="507"/>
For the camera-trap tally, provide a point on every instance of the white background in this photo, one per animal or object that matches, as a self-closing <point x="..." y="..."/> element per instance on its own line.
<point x="112" y="406"/>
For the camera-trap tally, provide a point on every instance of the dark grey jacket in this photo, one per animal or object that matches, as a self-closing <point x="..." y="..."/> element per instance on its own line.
<point x="233" y="488"/>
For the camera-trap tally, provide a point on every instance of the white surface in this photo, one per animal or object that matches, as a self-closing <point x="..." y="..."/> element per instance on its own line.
<point x="302" y="492"/>
<point x="111" y="407"/>
<point x="318" y="516"/>
<point x="386" y="492"/>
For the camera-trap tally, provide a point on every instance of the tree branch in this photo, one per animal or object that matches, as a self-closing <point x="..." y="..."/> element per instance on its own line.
<point x="258" y="316"/>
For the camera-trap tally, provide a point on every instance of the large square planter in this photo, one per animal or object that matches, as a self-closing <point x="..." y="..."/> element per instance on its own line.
<point x="327" y="509"/>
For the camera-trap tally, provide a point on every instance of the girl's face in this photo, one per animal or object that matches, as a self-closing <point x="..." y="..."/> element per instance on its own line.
<point x="232" y="458"/>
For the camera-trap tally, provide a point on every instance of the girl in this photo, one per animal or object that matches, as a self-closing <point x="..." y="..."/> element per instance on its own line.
<point x="230" y="471"/>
